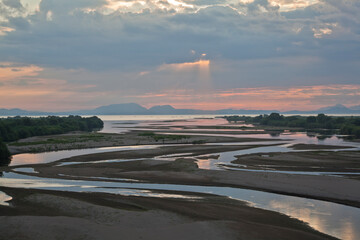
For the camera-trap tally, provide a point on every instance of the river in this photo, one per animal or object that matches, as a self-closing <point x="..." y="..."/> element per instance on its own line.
<point x="331" y="218"/>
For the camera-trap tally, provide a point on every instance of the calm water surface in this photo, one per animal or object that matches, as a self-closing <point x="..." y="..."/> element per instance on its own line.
<point x="331" y="218"/>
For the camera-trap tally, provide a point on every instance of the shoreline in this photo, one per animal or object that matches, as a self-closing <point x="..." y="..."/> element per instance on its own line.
<point x="212" y="217"/>
<point x="185" y="171"/>
<point x="180" y="168"/>
<point x="116" y="140"/>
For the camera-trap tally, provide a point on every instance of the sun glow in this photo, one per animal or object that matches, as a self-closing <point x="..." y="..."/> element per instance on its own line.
<point x="201" y="65"/>
<point x="9" y="71"/>
<point x="139" y="6"/>
<point x="5" y="30"/>
<point x="291" y="5"/>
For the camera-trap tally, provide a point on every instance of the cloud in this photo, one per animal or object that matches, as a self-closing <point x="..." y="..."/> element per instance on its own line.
<point x="270" y="98"/>
<point x="99" y="40"/>
<point x="186" y="66"/>
<point x="16" y="4"/>
<point x="10" y="72"/>
<point x="142" y="47"/>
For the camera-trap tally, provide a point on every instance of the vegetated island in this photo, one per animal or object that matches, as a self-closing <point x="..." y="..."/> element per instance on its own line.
<point x="35" y="135"/>
<point x="320" y="123"/>
<point x="15" y="128"/>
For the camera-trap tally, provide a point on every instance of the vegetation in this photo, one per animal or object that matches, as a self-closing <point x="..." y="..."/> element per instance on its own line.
<point x="164" y="137"/>
<point x="321" y="122"/>
<point x="63" y="140"/>
<point x="12" y="129"/>
<point x="15" y="128"/>
<point x="4" y="154"/>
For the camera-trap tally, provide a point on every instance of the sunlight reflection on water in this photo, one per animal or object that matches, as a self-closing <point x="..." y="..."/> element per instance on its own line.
<point x="4" y="198"/>
<point x="330" y="218"/>
<point x="334" y="219"/>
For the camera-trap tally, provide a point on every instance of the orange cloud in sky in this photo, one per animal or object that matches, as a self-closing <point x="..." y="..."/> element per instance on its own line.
<point x="300" y="98"/>
<point x="22" y="87"/>
<point x="50" y="95"/>
<point x="28" y="87"/>
<point x="9" y="71"/>
<point x="202" y="65"/>
<point x="5" y="30"/>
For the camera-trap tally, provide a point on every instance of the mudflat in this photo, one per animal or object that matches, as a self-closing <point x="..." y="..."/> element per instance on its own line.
<point x="44" y="214"/>
<point x="81" y="140"/>
<point x="184" y="170"/>
<point x="48" y="214"/>
<point x="320" y="161"/>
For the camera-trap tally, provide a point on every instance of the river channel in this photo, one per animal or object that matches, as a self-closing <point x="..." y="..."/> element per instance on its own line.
<point x="331" y="218"/>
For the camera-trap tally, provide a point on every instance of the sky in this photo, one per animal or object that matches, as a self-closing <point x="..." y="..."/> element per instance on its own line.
<point x="203" y="54"/>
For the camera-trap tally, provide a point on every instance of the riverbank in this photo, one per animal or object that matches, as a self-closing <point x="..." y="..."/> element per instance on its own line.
<point x="342" y="162"/>
<point x="66" y="215"/>
<point x="183" y="169"/>
<point x="83" y="140"/>
<point x="155" y="163"/>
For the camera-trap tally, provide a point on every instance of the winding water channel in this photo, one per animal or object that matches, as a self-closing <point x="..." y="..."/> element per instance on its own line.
<point x="334" y="219"/>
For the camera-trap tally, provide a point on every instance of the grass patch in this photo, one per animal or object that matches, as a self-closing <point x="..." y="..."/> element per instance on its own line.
<point x="160" y="137"/>
<point x="62" y="140"/>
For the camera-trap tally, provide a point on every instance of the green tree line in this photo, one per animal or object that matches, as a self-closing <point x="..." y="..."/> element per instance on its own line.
<point x="4" y="154"/>
<point x="15" y="128"/>
<point x="342" y="125"/>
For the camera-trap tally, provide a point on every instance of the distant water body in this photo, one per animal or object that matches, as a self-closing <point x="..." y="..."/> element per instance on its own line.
<point x="180" y="117"/>
<point x="174" y="117"/>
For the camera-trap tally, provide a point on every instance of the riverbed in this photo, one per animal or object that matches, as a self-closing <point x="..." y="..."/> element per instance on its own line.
<point x="327" y="217"/>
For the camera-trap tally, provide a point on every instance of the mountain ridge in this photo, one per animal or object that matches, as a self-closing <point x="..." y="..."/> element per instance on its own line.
<point x="137" y="109"/>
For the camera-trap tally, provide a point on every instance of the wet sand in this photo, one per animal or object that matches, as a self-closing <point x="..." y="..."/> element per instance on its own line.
<point x="185" y="171"/>
<point x="40" y="214"/>
<point x="45" y="214"/>
<point x="301" y="146"/>
<point x="81" y="140"/>
<point x="320" y="161"/>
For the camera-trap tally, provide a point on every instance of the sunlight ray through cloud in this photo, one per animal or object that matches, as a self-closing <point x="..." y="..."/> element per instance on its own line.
<point x="135" y="47"/>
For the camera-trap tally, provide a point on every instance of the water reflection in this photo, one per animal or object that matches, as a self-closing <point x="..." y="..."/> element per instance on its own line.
<point x="4" y="198"/>
<point x="122" y="123"/>
<point x="340" y="224"/>
<point x="330" y="218"/>
<point x="25" y="170"/>
<point x="297" y="137"/>
<point x="334" y="219"/>
<point x="205" y="163"/>
<point x="46" y="157"/>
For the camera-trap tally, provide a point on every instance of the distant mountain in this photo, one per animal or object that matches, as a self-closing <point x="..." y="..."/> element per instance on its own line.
<point x="163" y="109"/>
<point x="336" y="109"/>
<point x="125" y="108"/>
<point x="339" y="108"/>
<point x="136" y="109"/>
<point x="355" y="108"/>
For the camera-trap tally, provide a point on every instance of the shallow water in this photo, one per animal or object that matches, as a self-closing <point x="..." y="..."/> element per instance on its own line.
<point x="4" y="198"/>
<point x="331" y="218"/>
<point x="334" y="219"/>
<point x="46" y="157"/>
<point x="111" y="124"/>
<point x="120" y="124"/>
<point x="296" y="137"/>
<point x="25" y="170"/>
